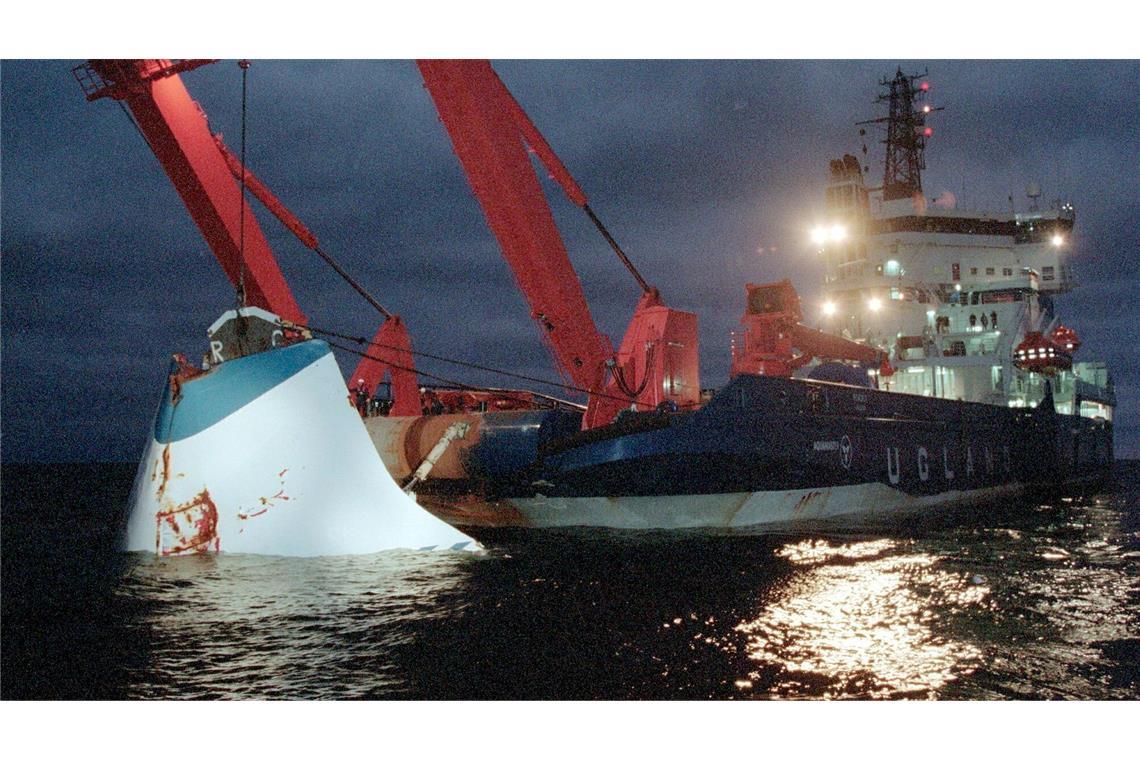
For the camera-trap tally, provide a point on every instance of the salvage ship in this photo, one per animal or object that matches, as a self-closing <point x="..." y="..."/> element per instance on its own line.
<point x="939" y="376"/>
<point x="942" y="376"/>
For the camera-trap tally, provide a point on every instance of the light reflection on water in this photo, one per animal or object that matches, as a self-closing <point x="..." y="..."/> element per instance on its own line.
<point x="248" y="626"/>
<point x="1037" y="600"/>
<point x="974" y="610"/>
<point x="978" y="610"/>
<point x="858" y="623"/>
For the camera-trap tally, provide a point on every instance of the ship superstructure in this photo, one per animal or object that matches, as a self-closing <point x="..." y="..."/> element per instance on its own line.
<point x="950" y="294"/>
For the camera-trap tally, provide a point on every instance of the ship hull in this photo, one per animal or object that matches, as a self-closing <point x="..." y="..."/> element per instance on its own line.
<point x="747" y="510"/>
<point x="773" y="451"/>
<point x="264" y="455"/>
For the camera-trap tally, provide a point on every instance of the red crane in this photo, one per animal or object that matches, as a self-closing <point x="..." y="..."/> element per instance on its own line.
<point x="658" y="358"/>
<point x="390" y="352"/>
<point x="773" y="334"/>
<point x="208" y="177"/>
<point x="176" y="130"/>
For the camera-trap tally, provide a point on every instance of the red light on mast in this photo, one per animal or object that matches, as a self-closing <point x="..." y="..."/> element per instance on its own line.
<point x="924" y="86"/>
<point x="927" y="132"/>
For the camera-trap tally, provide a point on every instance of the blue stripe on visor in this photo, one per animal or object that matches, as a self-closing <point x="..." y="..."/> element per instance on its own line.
<point x="208" y="399"/>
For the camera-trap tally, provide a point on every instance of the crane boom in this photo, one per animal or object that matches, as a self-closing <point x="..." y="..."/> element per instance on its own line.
<point x="560" y="174"/>
<point x="657" y="361"/>
<point x="774" y="333"/>
<point x="208" y="177"/>
<point x="176" y="130"/>
<point x="477" y="112"/>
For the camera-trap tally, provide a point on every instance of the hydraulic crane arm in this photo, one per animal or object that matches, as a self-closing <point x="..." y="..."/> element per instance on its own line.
<point x="479" y="116"/>
<point x="558" y="171"/>
<point x="176" y="130"/>
<point x="773" y="334"/>
<point x="657" y="361"/>
<point x="827" y="346"/>
<point x="209" y="178"/>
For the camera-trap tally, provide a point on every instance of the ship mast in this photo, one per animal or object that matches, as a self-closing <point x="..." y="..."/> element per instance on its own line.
<point x="906" y="134"/>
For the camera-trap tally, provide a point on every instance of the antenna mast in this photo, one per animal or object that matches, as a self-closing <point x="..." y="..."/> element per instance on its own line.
<point x="906" y="134"/>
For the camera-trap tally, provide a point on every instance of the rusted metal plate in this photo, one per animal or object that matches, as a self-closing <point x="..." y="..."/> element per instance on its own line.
<point x="265" y="503"/>
<point x="403" y="442"/>
<point x="387" y="434"/>
<point x="188" y="528"/>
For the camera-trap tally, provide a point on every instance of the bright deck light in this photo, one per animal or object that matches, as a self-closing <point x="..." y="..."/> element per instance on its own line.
<point x="828" y="308"/>
<point x="1058" y="240"/>
<point x="875" y="304"/>
<point x="823" y="234"/>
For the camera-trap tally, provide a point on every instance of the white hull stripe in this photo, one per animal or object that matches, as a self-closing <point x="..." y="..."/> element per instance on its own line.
<point x="740" y="510"/>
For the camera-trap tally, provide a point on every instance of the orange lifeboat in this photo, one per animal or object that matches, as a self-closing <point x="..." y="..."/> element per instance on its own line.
<point x="1065" y="338"/>
<point x="1038" y="353"/>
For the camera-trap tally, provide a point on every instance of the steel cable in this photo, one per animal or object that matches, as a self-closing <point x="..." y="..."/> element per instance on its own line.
<point x="458" y="362"/>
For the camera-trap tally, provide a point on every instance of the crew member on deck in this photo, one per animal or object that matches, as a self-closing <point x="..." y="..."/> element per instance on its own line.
<point x="361" y="398"/>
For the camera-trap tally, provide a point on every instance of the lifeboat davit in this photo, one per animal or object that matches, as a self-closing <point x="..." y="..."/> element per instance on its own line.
<point x="1046" y="354"/>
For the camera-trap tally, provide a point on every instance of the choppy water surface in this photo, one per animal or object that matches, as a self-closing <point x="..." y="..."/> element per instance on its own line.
<point x="1035" y="600"/>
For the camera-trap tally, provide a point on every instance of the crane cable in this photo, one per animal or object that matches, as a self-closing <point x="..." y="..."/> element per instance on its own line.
<point x="466" y="386"/>
<point x="244" y="65"/>
<point x="645" y="286"/>
<point x="355" y="285"/>
<point x="458" y="362"/>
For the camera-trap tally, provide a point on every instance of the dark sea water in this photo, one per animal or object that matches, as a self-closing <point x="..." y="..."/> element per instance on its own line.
<point x="1025" y="601"/>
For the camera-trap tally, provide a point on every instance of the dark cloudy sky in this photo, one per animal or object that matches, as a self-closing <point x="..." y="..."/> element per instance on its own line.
<point x="708" y="173"/>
